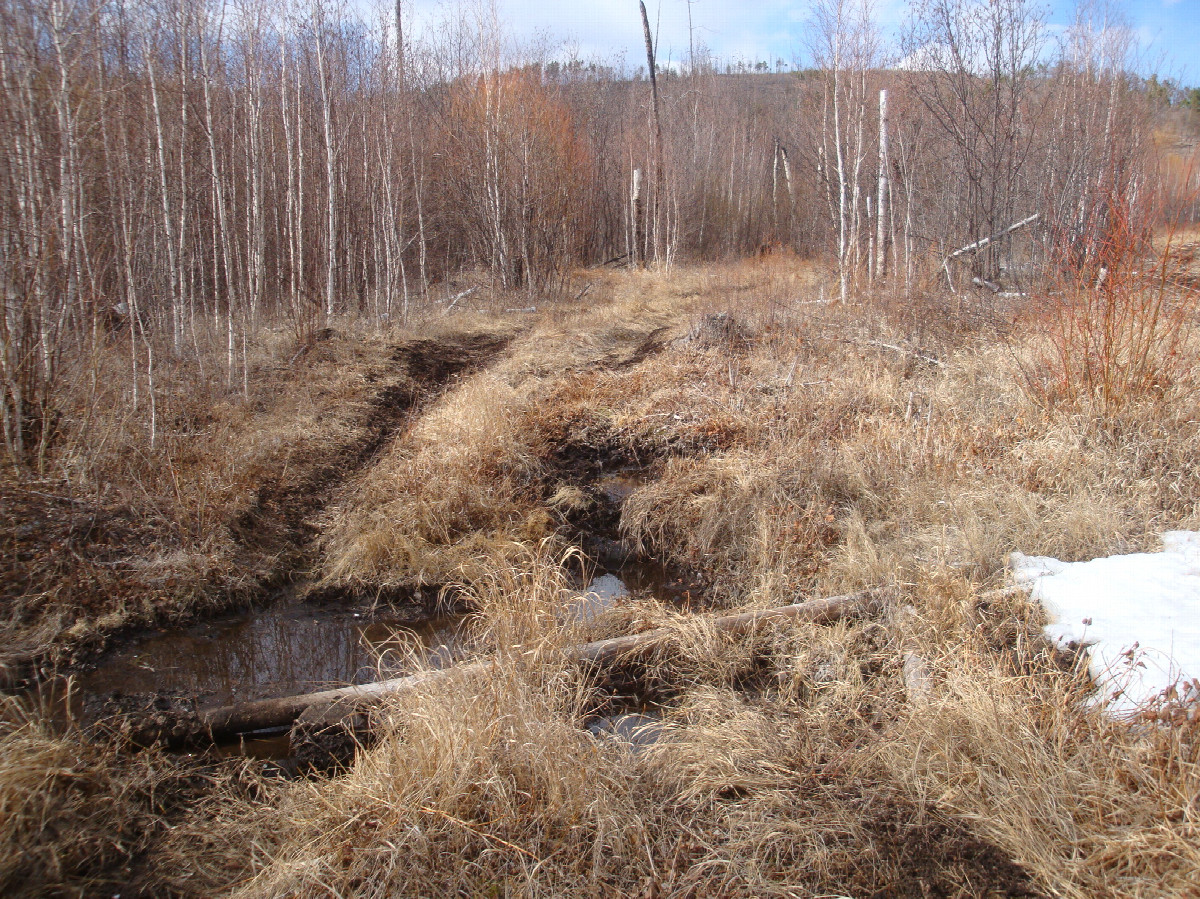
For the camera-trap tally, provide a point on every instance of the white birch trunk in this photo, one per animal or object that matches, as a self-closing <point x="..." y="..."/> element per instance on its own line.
<point x="330" y="181"/>
<point x="881" y="203"/>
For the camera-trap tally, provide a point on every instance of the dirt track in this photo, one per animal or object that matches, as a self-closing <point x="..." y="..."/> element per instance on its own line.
<point x="91" y="544"/>
<point x="280" y="520"/>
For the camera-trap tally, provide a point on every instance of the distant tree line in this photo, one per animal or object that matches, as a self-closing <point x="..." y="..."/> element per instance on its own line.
<point x="174" y="169"/>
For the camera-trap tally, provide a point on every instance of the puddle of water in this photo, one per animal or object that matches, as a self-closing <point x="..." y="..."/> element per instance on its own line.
<point x="634" y="579"/>
<point x="638" y="576"/>
<point x="296" y="647"/>
<point x="621" y="484"/>
<point x="303" y="647"/>
<point x="636" y="730"/>
<point x="649" y="577"/>
<point x="265" y="748"/>
<point x="273" y="652"/>
<point x="603" y="593"/>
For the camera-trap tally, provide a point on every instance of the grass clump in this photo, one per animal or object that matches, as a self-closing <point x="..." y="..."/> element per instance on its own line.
<point x="78" y="814"/>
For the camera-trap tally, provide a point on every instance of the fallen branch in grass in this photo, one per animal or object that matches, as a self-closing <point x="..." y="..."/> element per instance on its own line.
<point x="329" y="707"/>
<point x="916" y="354"/>
<point x="981" y="244"/>
<point x="462" y="296"/>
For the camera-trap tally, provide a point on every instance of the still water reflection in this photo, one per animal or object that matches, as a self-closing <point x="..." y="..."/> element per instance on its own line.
<point x="276" y="652"/>
<point x="294" y="648"/>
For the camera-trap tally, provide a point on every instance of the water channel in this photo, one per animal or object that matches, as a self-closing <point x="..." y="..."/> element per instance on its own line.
<point x="294" y="647"/>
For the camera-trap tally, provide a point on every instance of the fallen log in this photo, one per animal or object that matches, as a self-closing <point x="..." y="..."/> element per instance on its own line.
<point x="981" y="244"/>
<point x="328" y="707"/>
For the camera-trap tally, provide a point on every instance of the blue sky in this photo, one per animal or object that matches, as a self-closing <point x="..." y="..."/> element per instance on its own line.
<point x="1171" y="28"/>
<point x="1167" y="30"/>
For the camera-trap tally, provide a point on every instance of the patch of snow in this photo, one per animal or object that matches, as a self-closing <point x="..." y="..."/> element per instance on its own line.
<point x="1138" y="615"/>
<point x="601" y="595"/>
<point x="608" y="588"/>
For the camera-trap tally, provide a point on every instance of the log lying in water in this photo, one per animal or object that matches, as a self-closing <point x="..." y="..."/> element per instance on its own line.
<point x="330" y="706"/>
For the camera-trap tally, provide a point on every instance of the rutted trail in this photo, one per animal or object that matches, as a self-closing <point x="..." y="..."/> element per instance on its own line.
<point x="271" y="652"/>
<point x="281" y="519"/>
<point x="759" y="457"/>
<point x="270" y="536"/>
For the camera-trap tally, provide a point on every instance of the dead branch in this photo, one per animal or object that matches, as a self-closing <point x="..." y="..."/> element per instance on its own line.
<point x="916" y="354"/>
<point x="462" y="296"/>
<point x="332" y="706"/>
<point x="981" y="244"/>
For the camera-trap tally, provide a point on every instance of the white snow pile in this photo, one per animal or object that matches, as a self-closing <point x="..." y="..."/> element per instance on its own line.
<point x="1139" y="616"/>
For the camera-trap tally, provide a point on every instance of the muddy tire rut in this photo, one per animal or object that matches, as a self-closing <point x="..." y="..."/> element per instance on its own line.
<point x="275" y="537"/>
<point x="280" y="527"/>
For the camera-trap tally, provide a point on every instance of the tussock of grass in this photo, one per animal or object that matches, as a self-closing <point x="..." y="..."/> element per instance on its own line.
<point x="446" y="502"/>
<point x="870" y="473"/>
<point x="1089" y="806"/>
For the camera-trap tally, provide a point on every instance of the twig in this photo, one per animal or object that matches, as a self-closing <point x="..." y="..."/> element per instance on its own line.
<point x="475" y="830"/>
<point x="59" y="499"/>
<point x="897" y="349"/>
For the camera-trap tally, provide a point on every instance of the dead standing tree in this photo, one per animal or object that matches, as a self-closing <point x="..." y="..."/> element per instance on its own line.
<point x="653" y="234"/>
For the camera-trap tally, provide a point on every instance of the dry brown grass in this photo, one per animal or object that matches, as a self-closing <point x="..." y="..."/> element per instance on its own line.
<point x="468" y="482"/>
<point x="446" y="501"/>
<point x="77" y="812"/>
<point x="121" y="530"/>
<point x="940" y="749"/>
<point x="1090" y="806"/>
<point x="830" y="455"/>
<point x="871" y="469"/>
<point x="124" y="530"/>
<point x="492" y="785"/>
